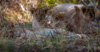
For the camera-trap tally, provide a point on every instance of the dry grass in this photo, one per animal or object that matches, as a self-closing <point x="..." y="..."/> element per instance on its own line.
<point x="13" y="21"/>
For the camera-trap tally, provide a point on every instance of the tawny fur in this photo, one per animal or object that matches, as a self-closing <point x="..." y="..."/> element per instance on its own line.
<point x="78" y="21"/>
<point x="65" y="11"/>
<point x="78" y="17"/>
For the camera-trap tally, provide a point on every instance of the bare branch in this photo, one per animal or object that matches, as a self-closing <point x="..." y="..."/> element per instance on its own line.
<point x="21" y="6"/>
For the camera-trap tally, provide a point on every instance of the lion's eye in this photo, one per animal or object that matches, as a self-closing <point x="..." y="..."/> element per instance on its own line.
<point x="92" y="16"/>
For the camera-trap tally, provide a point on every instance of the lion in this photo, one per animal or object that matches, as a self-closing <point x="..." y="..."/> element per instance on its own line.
<point x="65" y="11"/>
<point x="79" y="22"/>
<point x="40" y="15"/>
<point x="78" y="17"/>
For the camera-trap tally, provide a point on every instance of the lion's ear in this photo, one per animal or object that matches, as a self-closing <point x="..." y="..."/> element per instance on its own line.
<point x="77" y="9"/>
<point x="84" y="9"/>
<point x="33" y="10"/>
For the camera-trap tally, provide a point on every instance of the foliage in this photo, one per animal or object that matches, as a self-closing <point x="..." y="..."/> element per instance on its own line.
<point x="51" y="44"/>
<point x="52" y="2"/>
<point x="8" y="46"/>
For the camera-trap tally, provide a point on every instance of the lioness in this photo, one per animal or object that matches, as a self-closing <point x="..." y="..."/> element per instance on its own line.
<point x="65" y="11"/>
<point x="76" y="15"/>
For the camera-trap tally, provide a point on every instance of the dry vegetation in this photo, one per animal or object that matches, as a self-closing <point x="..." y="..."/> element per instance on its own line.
<point x="18" y="35"/>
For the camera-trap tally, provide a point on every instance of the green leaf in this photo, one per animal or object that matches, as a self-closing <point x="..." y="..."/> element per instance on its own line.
<point x="99" y="22"/>
<point x="74" y="1"/>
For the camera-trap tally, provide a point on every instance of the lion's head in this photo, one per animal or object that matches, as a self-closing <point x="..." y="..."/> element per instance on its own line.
<point x="81" y="20"/>
<point x="89" y="12"/>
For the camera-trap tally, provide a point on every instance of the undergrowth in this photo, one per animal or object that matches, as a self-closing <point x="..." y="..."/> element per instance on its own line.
<point x="13" y="18"/>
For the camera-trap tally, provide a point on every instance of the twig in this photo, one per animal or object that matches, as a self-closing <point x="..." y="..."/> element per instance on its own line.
<point x="83" y="2"/>
<point x="21" y="6"/>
